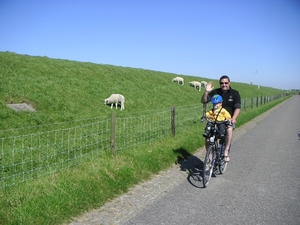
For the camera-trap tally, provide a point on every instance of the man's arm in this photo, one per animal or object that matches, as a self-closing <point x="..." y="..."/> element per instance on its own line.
<point x="204" y="97"/>
<point x="235" y="115"/>
<point x="237" y="107"/>
<point x="209" y="88"/>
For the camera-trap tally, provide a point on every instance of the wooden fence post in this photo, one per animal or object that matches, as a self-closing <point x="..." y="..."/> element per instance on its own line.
<point x="173" y="120"/>
<point x="113" y="134"/>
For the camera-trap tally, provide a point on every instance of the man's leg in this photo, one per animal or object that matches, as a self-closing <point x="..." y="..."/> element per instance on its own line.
<point x="229" y="132"/>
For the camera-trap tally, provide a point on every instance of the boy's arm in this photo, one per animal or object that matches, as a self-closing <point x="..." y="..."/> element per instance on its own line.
<point x="226" y="114"/>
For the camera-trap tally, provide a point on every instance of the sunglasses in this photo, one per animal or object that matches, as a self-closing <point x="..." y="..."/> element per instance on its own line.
<point x="224" y="83"/>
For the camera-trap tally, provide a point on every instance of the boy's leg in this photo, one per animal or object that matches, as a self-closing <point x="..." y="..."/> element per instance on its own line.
<point x="207" y="130"/>
<point x="222" y="128"/>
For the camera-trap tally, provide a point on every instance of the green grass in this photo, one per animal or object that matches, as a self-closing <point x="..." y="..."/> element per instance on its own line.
<point x="65" y="91"/>
<point x="62" y="90"/>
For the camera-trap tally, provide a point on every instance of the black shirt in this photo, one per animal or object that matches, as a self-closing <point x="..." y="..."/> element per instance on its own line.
<point x="231" y="99"/>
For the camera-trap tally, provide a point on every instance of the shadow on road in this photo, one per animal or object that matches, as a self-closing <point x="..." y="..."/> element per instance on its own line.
<point x="192" y="164"/>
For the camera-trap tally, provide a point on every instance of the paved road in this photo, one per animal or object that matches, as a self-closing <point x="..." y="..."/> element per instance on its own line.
<point x="261" y="184"/>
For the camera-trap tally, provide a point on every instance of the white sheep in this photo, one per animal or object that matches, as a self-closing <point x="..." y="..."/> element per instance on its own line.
<point x="204" y="83"/>
<point x="196" y="84"/>
<point x="178" y="80"/>
<point x="115" y="99"/>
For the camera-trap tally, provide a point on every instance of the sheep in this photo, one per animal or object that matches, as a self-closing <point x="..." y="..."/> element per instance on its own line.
<point x="204" y="84"/>
<point x="178" y="80"/>
<point x="115" y="99"/>
<point x="196" y="85"/>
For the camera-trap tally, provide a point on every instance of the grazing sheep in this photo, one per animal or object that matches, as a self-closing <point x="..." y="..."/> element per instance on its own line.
<point x="196" y="85"/>
<point x="178" y="80"/>
<point x="115" y="99"/>
<point x="204" y="84"/>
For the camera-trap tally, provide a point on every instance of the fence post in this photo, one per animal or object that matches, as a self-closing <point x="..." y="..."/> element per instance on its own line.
<point x="173" y="120"/>
<point x="113" y="134"/>
<point x="252" y="102"/>
<point x="245" y="104"/>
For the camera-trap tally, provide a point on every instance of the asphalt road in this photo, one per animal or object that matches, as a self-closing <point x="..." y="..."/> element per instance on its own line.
<point x="260" y="186"/>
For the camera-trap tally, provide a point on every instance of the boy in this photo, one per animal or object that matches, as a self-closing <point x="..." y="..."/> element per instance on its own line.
<point x="217" y="113"/>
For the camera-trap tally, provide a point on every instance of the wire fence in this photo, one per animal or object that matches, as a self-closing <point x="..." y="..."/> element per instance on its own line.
<point x="133" y="131"/>
<point x="30" y="156"/>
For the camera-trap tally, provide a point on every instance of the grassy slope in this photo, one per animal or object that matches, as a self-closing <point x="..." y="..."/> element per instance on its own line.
<point x="63" y="90"/>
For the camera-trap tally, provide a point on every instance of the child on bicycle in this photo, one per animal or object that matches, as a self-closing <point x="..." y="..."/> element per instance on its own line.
<point x="217" y="113"/>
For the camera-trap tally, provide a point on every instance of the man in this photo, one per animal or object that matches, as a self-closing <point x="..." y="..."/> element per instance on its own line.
<point x="231" y="102"/>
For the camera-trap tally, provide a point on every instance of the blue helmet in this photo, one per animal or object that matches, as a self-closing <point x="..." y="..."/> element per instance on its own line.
<point x="216" y="99"/>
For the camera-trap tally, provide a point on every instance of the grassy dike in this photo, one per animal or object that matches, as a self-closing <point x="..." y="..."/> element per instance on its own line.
<point x="62" y="90"/>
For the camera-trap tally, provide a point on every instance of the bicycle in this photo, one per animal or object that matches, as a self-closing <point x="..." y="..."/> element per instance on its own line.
<point x="214" y="159"/>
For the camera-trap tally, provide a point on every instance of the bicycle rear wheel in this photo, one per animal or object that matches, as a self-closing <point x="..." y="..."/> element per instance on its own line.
<point x="208" y="165"/>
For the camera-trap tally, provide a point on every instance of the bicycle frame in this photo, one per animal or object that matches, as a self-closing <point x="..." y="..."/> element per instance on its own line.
<point x="217" y="143"/>
<point x="214" y="159"/>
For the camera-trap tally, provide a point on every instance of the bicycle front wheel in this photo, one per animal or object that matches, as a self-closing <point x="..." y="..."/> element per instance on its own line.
<point x="208" y="165"/>
<point x="223" y="164"/>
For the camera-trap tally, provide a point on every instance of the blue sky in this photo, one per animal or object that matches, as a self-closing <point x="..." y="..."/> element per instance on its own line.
<point x="250" y="41"/>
